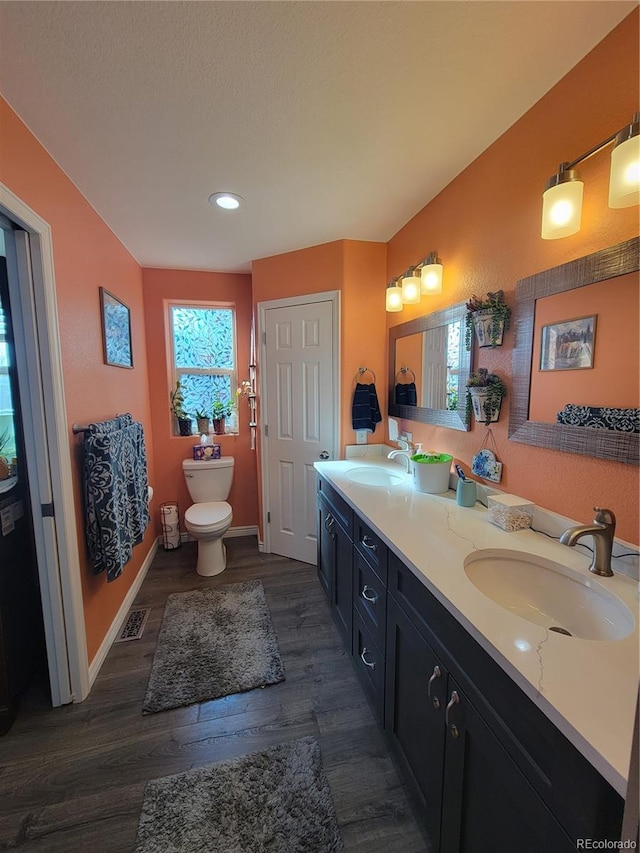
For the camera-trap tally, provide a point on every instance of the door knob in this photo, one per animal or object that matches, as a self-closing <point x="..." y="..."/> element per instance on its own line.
<point x="324" y="454"/>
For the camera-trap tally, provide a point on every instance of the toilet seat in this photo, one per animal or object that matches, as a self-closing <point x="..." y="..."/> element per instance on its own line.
<point x="208" y="517"/>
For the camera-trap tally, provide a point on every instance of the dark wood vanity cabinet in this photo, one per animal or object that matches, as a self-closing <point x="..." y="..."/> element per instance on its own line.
<point x="335" y="555"/>
<point x="489" y="772"/>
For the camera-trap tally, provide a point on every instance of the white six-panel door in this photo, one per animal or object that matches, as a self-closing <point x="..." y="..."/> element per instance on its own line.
<point x="299" y="418"/>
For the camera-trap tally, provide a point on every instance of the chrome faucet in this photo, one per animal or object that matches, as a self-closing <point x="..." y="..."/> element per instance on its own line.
<point x="406" y="452"/>
<point x="602" y="530"/>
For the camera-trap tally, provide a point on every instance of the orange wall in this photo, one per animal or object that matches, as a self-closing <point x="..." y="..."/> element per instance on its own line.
<point x="357" y="270"/>
<point x="87" y="255"/>
<point x="161" y="285"/>
<point x="486" y="228"/>
<point x="614" y="378"/>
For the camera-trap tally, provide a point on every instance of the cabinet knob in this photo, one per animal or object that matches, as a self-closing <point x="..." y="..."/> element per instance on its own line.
<point x="369" y="594"/>
<point x="328" y="525"/>
<point x="435" y="674"/>
<point x="369" y="543"/>
<point x="370" y="664"/>
<point x="454" y="700"/>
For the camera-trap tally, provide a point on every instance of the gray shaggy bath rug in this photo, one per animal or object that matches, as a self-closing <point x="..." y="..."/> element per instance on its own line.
<point x="212" y="643"/>
<point x="276" y="801"/>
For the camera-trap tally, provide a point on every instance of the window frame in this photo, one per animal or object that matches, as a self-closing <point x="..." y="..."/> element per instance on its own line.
<point x="176" y="372"/>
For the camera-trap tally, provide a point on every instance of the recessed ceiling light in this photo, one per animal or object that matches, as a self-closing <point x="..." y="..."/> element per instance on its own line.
<point x="228" y="201"/>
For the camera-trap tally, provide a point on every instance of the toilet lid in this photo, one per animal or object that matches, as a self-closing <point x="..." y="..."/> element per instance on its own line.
<point x="207" y="514"/>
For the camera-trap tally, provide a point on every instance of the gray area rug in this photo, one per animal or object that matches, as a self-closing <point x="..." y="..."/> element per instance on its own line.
<point x="276" y="801"/>
<point x="212" y="643"/>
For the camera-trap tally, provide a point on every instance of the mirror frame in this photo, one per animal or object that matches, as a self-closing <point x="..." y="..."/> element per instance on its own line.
<point x="599" y="443"/>
<point x="438" y="417"/>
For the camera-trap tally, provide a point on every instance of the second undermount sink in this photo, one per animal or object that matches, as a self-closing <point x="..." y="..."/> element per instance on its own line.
<point x="369" y="475"/>
<point x="548" y="594"/>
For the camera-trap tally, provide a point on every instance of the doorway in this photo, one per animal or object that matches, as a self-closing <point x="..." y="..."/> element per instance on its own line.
<point x="22" y="645"/>
<point x="299" y="403"/>
<point x="45" y="436"/>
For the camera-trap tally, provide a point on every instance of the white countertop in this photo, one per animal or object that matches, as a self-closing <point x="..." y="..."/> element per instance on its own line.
<point x="587" y="688"/>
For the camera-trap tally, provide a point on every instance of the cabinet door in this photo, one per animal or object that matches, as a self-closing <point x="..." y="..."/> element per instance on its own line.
<point x="488" y="805"/>
<point x="342" y="585"/>
<point x="326" y="548"/>
<point x="414" y="713"/>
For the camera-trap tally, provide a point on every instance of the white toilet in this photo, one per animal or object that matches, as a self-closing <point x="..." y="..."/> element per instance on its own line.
<point x="210" y="516"/>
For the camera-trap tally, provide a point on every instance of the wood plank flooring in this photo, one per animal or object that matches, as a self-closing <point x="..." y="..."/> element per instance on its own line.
<point x="72" y="778"/>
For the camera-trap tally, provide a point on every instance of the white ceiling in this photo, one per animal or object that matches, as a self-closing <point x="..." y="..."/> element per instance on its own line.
<point x="334" y="120"/>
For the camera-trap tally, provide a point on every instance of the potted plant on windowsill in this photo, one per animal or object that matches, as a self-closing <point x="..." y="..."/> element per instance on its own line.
<point x="5" y="468"/>
<point x="178" y="410"/>
<point x="485" y="392"/>
<point x="202" y="422"/>
<point x="219" y="413"/>
<point x="489" y="317"/>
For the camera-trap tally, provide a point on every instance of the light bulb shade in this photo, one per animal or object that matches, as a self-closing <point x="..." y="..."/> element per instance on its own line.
<point x="624" y="181"/>
<point x="411" y="289"/>
<point x="394" y="297"/>
<point x="562" y="206"/>
<point x="431" y="275"/>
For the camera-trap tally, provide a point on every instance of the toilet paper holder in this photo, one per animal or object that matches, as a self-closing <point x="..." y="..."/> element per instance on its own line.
<point x="170" y="519"/>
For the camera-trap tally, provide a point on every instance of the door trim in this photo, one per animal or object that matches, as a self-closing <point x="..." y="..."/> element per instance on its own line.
<point x="332" y="296"/>
<point x="50" y="479"/>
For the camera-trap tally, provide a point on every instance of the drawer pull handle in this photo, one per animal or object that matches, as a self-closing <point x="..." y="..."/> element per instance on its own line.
<point x="435" y="674"/>
<point x="454" y="700"/>
<point x="368" y="543"/>
<point x="329" y="522"/>
<point x="370" y="664"/>
<point x="369" y="594"/>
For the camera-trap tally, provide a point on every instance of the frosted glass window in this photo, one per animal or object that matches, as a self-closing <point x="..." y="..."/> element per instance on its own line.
<point x="204" y="360"/>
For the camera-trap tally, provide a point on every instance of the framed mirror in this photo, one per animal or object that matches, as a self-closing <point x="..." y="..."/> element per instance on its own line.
<point x="577" y="354"/>
<point x="428" y="369"/>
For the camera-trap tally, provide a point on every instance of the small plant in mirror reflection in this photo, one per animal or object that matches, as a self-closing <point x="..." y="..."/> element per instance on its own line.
<point x="495" y="392"/>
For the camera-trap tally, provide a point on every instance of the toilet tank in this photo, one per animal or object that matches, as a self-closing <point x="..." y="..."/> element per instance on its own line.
<point x="208" y="479"/>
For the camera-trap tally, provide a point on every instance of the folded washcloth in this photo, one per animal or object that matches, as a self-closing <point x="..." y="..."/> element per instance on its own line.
<point x="406" y="394"/>
<point x="365" y="411"/>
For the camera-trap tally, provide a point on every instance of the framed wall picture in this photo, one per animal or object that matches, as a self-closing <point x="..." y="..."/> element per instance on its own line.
<point x="568" y="345"/>
<point x="116" y="330"/>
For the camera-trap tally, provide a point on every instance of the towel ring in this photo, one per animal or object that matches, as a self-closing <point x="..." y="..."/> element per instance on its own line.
<point x="362" y="370"/>
<point x="404" y="370"/>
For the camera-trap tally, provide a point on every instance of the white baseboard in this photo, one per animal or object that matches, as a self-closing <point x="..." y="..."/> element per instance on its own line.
<point x="232" y="532"/>
<point x="125" y="607"/>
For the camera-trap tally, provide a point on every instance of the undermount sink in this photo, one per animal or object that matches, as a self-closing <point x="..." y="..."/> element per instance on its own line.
<point x="369" y="475"/>
<point x="548" y="594"/>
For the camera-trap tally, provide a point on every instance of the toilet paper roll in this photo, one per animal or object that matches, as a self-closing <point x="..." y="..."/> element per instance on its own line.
<point x="170" y="526"/>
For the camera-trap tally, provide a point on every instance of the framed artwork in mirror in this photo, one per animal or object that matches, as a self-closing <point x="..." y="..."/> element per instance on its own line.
<point x="568" y="345"/>
<point x="116" y="330"/>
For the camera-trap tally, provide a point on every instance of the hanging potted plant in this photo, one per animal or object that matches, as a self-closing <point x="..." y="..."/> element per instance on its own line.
<point x="485" y="392"/>
<point x="489" y="317"/>
<point x="202" y="421"/>
<point x="177" y="408"/>
<point x="220" y="412"/>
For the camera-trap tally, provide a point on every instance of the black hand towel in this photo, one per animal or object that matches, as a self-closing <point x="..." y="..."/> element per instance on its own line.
<point x="406" y="394"/>
<point x="365" y="411"/>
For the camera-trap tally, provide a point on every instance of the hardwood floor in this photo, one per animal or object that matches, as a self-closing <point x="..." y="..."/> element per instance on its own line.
<point x="72" y="778"/>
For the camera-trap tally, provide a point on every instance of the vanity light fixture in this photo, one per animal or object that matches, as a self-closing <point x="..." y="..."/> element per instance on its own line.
<point x="562" y="198"/>
<point x="410" y="287"/>
<point x="407" y="289"/>
<point x="431" y="275"/>
<point x="227" y="201"/>
<point x="394" y="296"/>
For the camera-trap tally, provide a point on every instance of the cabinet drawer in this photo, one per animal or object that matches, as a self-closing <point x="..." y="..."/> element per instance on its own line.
<point x="338" y="507"/>
<point x="371" y="547"/>
<point x="370" y="598"/>
<point x="369" y="663"/>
